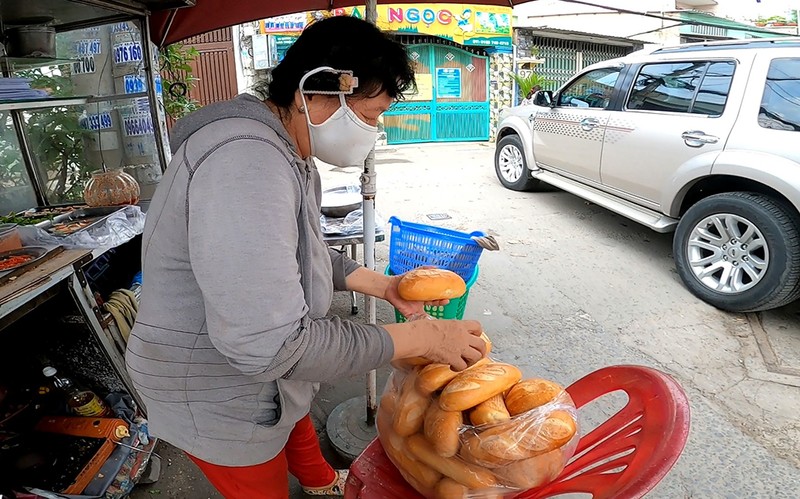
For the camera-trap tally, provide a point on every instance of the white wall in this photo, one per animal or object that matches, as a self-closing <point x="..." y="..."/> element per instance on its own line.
<point x="575" y="17"/>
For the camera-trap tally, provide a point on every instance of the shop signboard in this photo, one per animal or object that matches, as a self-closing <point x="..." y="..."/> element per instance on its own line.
<point x="466" y="24"/>
<point x="448" y="83"/>
<point x="291" y="23"/>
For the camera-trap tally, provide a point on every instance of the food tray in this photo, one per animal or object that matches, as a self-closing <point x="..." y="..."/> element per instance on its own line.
<point x="35" y="252"/>
<point x="92" y="217"/>
<point x="37" y="215"/>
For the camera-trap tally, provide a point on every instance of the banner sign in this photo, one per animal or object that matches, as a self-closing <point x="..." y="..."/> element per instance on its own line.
<point x="475" y="25"/>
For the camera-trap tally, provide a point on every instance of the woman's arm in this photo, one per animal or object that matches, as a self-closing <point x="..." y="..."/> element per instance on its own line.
<point x="368" y="282"/>
<point x="363" y="280"/>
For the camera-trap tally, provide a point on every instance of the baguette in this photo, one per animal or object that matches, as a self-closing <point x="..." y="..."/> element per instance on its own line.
<point x="434" y="376"/>
<point x="472" y="476"/>
<point x="474" y="450"/>
<point x="494" y="448"/>
<point x="387" y="406"/>
<point x="488" y="343"/>
<point x="431" y="285"/>
<point x="442" y="430"/>
<point x="447" y="488"/>
<point x="520" y="438"/>
<point x="474" y="386"/>
<point x="421" y="477"/>
<point x="532" y="472"/>
<point x="531" y="393"/>
<point x="489" y="412"/>
<point x="555" y="432"/>
<point x="410" y="409"/>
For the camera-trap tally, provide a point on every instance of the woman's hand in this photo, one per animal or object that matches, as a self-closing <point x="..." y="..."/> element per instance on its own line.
<point x="407" y="308"/>
<point x="456" y="343"/>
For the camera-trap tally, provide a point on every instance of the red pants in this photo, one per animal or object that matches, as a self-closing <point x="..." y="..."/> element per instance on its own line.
<point x="302" y="457"/>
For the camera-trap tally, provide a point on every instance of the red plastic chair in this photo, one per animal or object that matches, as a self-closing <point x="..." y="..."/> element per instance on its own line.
<point x="625" y="457"/>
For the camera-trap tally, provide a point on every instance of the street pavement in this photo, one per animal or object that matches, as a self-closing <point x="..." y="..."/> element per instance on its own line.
<point x="576" y="288"/>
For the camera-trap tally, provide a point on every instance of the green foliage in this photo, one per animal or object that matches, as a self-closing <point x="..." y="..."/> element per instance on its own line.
<point x="527" y="82"/>
<point x="56" y="140"/>
<point x="178" y="80"/>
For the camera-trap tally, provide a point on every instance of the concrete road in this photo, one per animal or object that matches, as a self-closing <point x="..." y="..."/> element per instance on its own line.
<point x="576" y="288"/>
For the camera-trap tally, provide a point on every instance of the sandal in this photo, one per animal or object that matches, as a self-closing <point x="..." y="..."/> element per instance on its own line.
<point x="334" y="489"/>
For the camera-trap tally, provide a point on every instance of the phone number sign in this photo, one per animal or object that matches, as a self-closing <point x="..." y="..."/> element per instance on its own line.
<point x="128" y="52"/>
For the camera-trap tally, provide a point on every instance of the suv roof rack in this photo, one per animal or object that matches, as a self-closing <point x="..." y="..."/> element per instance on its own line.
<point x="758" y="43"/>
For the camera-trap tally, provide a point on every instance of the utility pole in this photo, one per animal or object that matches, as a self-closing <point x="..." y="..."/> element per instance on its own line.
<point x="349" y="427"/>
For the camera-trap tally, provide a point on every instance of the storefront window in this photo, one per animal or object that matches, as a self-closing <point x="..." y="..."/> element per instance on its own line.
<point x="16" y="189"/>
<point x="99" y="61"/>
<point x="69" y="143"/>
<point x="103" y="67"/>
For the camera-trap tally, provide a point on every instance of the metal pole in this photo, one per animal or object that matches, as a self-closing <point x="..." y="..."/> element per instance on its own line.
<point x="349" y="432"/>
<point x="368" y="191"/>
<point x="152" y="97"/>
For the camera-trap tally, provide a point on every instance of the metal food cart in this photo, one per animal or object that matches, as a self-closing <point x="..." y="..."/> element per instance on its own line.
<point x="79" y="94"/>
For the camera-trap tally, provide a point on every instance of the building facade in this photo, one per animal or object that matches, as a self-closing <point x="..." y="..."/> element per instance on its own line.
<point x="463" y="56"/>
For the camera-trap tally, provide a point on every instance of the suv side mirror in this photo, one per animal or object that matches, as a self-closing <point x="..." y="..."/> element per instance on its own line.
<point x="543" y="98"/>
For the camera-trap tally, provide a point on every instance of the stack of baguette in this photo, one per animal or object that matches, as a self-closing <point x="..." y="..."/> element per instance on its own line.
<point x="483" y="432"/>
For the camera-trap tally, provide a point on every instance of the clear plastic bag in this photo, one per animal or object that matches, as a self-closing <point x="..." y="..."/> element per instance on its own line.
<point x="353" y="223"/>
<point x="444" y="454"/>
<point x="119" y="228"/>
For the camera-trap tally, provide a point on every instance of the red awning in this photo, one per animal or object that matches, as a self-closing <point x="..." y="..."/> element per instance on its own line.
<point x="207" y="15"/>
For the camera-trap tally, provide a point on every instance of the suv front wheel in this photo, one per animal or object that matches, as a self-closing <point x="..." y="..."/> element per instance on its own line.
<point x="739" y="251"/>
<point x="510" y="165"/>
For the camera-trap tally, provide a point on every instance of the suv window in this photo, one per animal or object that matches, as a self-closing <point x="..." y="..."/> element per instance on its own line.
<point x="590" y="90"/>
<point x="683" y="87"/>
<point x="780" y="105"/>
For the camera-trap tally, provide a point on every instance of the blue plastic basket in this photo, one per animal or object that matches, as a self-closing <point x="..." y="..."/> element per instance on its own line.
<point x="414" y="245"/>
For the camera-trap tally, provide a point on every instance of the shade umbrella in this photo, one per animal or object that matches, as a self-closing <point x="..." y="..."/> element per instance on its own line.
<point x="174" y="25"/>
<point x="348" y="430"/>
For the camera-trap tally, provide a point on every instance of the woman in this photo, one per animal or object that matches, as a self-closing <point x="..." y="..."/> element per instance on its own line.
<point x="231" y="339"/>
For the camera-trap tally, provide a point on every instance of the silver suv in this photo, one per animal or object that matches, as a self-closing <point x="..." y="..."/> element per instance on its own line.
<point x="699" y="139"/>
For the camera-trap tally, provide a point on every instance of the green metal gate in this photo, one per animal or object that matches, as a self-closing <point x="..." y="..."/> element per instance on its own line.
<point x="453" y="99"/>
<point x="564" y="58"/>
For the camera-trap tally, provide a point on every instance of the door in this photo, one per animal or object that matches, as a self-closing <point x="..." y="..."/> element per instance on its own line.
<point x="678" y="115"/>
<point x="214" y="67"/>
<point x="451" y="102"/>
<point x="568" y="138"/>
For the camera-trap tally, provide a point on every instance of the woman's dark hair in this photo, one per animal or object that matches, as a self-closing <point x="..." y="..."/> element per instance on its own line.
<point x="345" y="43"/>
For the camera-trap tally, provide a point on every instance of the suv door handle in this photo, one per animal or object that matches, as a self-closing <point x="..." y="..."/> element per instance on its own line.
<point x="589" y="124"/>
<point x="698" y="138"/>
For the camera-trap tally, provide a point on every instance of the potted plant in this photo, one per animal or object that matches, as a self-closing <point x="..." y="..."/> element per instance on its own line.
<point x="526" y="82"/>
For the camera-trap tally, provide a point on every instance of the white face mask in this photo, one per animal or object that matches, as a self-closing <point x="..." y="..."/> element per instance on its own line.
<point x="343" y="139"/>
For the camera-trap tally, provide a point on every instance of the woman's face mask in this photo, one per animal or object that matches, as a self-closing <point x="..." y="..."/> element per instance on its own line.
<point x="344" y="139"/>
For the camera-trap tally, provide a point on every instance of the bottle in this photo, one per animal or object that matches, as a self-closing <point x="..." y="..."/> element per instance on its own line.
<point x="81" y="401"/>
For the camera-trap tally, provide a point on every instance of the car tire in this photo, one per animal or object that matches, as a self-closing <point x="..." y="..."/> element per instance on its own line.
<point x="511" y="167"/>
<point x="740" y="252"/>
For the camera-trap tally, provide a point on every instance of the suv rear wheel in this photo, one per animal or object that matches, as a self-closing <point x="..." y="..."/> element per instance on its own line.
<point x="739" y="251"/>
<point x="511" y="167"/>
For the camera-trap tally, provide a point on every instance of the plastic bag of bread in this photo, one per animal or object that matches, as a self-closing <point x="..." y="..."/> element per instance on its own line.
<point x="482" y="433"/>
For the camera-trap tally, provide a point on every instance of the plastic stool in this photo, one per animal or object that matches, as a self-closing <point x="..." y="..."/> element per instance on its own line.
<point x="623" y="458"/>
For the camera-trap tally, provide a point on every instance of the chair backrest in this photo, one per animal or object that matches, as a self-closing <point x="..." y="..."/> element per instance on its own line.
<point x="627" y="455"/>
